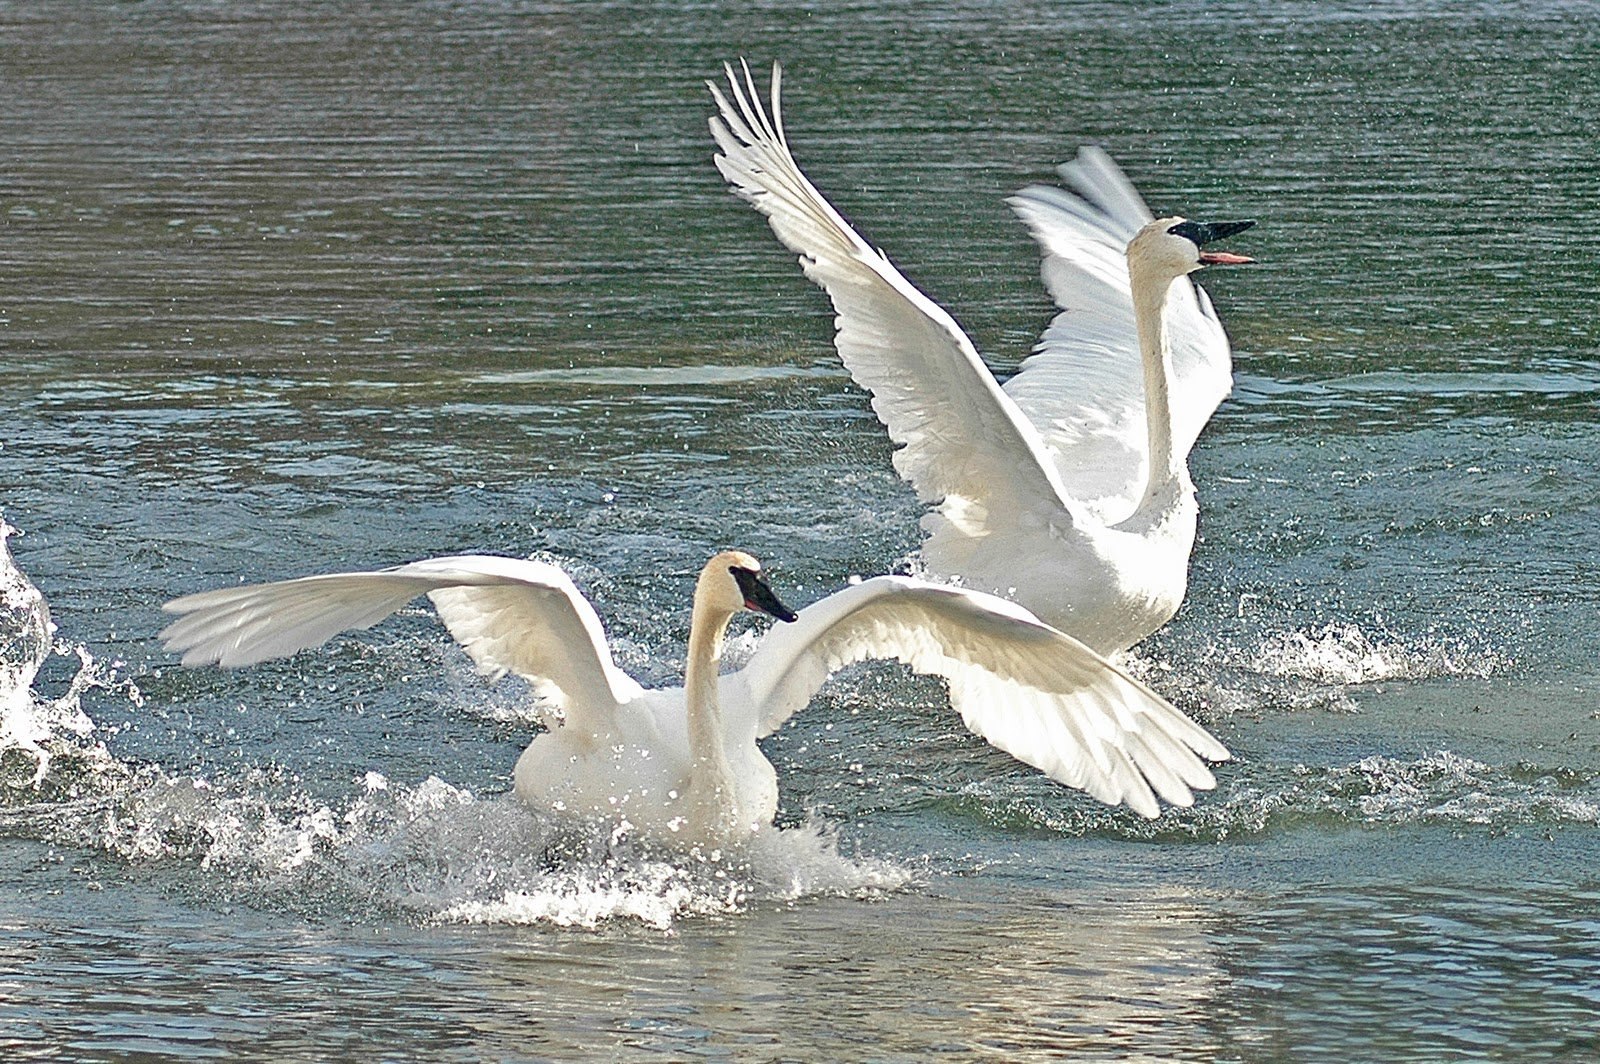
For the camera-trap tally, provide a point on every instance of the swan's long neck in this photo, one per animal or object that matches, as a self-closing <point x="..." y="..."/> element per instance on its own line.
<point x="711" y="777"/>
<point x="1166" y="470"/>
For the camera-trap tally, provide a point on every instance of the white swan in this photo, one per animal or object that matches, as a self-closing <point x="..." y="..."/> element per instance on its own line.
<point x="683" y="762"/>
<point x="1056" y="491"/>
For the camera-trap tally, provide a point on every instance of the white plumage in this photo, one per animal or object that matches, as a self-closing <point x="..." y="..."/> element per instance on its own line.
<point x="682" y="763"/>
<point x="1055" y="490"/>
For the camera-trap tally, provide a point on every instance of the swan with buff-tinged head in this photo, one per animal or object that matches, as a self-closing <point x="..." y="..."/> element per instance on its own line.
<point x="682" y="763"/>
<point x="1068" y="488"/>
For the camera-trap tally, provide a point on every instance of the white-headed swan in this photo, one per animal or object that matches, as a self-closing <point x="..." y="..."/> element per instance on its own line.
<point x="1056" y="490"/>
<point x="683" y="762"/>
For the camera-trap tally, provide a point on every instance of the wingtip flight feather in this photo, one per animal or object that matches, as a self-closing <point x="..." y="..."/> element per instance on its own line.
<point x="1022" y="686"/>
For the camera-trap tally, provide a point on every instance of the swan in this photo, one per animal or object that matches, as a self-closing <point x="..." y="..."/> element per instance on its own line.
<point x="1056" y="490"/>
<point x="682" y="763"/>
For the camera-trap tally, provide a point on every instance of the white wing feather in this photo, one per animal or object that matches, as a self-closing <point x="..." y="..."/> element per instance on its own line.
<point x="1083" y="388"/>
<point x="510" y="615"/>
<point x="958" y="433"/>
<point x="1025" y="687"/>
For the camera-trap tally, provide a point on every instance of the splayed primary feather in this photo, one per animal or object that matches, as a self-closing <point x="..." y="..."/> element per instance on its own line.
<point x="1044" y="490"/>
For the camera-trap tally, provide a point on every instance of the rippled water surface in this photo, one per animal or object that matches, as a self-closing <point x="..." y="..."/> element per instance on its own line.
<point x="294" y="287"/>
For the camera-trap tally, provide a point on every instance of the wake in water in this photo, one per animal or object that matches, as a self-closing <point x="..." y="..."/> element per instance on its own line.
<point x="433" y="852"/>
<point x="1439" y="789"/>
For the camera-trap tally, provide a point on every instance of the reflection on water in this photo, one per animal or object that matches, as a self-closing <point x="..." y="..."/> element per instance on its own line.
<point x="960" y="971"/>
<point x="922" y="984"/>
<point x="1404" y="970"/>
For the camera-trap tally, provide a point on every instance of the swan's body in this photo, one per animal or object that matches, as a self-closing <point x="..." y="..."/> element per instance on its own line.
<point x="1067" y="489"/>
<point x="683" y="763"/>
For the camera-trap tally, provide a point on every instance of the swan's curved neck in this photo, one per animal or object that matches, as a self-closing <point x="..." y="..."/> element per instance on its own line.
<point x="1166" y="470"/>
<point x="711" y="774"/>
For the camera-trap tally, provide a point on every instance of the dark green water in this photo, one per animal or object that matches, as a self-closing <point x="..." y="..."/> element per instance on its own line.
<point x="296" y="287"/>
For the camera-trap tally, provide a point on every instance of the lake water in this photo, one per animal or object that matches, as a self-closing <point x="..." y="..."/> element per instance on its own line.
<point x="295" y="287"/>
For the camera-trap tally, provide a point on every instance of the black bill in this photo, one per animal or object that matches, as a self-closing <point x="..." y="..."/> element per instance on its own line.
<point x="758" y="596"/>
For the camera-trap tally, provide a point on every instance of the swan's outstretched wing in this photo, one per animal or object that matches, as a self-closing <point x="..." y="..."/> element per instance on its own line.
<point x="511" y="615"/>
<point x="1083" y="388"/>
<point x="1028" y="689"/>
<point x="960" y="437"/>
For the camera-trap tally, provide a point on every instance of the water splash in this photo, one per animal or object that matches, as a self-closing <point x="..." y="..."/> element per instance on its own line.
<point x="1318" y="667"/>
<point x="657" y="888"/>
<point x="432" y="852"/>
<point x="1347" y="654"/>
<point x="442" y="854"/>
<point x="26" y="634"/>
<point x="33" y="729"/>
<point x="429" y="853"/>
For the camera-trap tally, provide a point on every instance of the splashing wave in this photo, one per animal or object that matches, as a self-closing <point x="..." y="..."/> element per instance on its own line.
<point x="1346" y="654"/>
<point x="33" y="728"/>
<point x="436" y="852"/>
<point x="1321" y="667"/>
<point x="433" y="852"/>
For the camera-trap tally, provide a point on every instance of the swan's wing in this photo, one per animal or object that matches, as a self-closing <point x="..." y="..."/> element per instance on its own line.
<point x="511" y="615"/>
<point x="1083" y="387"/>
<point x="959" y="436"/>
<point x="1030" y="690"/>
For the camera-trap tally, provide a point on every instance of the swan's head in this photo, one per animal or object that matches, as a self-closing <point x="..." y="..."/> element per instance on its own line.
<point x="732" y="581"/>
<point x="1176" y="246"/>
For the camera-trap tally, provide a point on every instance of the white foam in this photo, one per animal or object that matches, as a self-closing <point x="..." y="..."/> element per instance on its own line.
<point x="654" y="895"/>
<point x="437" y="852"/>
<point x="602" y="875"/>
<point x="37" y="725"/>
<point x="1346" y="654"/>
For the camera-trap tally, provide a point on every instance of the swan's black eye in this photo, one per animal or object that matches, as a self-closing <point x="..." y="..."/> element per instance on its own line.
<point x="1203" y="233"/>
<point x="1189" y="230"/>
